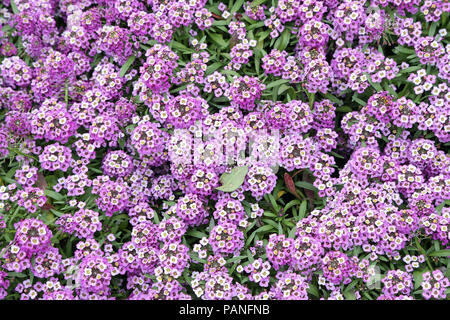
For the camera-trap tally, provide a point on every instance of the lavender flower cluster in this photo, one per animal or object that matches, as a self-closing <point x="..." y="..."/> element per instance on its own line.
<point x="250" y="150"/>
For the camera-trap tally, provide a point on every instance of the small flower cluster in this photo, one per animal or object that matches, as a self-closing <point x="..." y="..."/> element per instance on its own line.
<point x="55" y="157"/>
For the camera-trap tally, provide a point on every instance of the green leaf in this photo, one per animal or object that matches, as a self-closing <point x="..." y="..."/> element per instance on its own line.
<point x="218" y="38"/>
<point x="440" y="253"/>
<point x="305" y="185"/>
<point x="95" y="170"/>
<point x="432" y="29"/>
<point x="333" y="99"/>
<point x="256" y="3"/>
<point x="269" y="214"/>
<point x="302" y="211"/>
<point x="358" y="100"/>
<point x="283" y="41"/>
<point x="311" y="99"/>
<point x="290" y="204"/>
<point x="196" y="234"/>
<point x="126" y="66"/>
<point x="56" y="212"/>
<point x="97" y="59"/>
<point x="418" y="277"/>
<point x="258" y="56"/>
<point x="273" y="202"/>
<point x="179" y="46"/>
<point x="410" y="69"/>
<point x="288" y="223"/>
<point x="255" y="25"/>
<point x="349" y="295"/>
<point x="69" y="248"/>
<point x="213" y="67"/>
<point x="16" y="274"/>
<point x="404" y="50"/>
<point x="8" y="180"/>
<point x="390" y="89"/>
<point x="276" y="83"/>
<point x="344" y="109"/>
<point x="283" y="88"/>
<point x="313" y="290"/>
<point x="443" y="204"/>
<point x="231" y="72"/>
<point x="217" y="23"/>
<point x="6" y="29"/>
<point x="234" y="259"/>
<point x="14" y="7"/>
<point x="237" y="6"/>
<point x="337" y="155"/>
<point x="264" y="228"/>
<point x="250" y="239"/>
<point x="292" y="233"/>
<point x="53" y="195"/>
<point x="66" y="93"/>
<point x="232" y="181"/>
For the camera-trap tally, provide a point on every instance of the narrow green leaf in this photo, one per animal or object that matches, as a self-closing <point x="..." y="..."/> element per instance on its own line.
<point x="213" y="67"/>
<point x="302" y="211"/>
<point x="313" y="290"/>
<point x="283" y="41"/>
<point x="256" y="3"/>
<point x="432" y="29"/>
<point x="290" y="204"/>
<point x="358" y="100"/>
<point x="273" y="202"/>
<point x="196" y="234"/>
<point x="66" y="93"/>
<point x="305" y="185"/>
<point x="292" y="233"/>
<point x="126" y="66"/>
<point x="269" y="214"/>
<point x="333" y="99"/>
<point x="283" y="88"/>
<point x="276" y="83"/>
<point x="344" y="109"/>
<point x="53" y="195"/>
<point x="271" y="222"/>
<point x="179" y="46"/>
<point x="410" y="69"/>
<point x="255" y="25"/>
<point x="16" y="274"/>
<point x="404" y="50"/>
<point x="250" y="239"/>
<point x="440" y="253"/>
<point x="349" y="295"/>
<point x="237" y="6"/>
<point x="336" y="155"/>
<point x="280" y="228"/>
<point x="418" y="277"/>
<point x="264" y="228"/>
<point x="14" y="7"/>
<point x="56" y="212"/>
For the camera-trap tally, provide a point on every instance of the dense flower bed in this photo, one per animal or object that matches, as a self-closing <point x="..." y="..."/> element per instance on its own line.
<point x="194" y="149"/>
